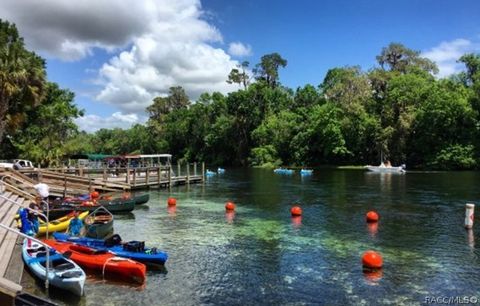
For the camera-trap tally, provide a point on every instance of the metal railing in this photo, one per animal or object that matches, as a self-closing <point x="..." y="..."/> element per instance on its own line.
<point x="30" y="209"/>
<point x="47" y="248"/>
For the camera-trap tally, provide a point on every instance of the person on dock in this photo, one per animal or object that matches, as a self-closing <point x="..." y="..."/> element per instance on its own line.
<point x="76" y="225"/>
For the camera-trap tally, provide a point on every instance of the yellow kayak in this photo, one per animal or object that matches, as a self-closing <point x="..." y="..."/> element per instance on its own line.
<point x="58" y="225"/>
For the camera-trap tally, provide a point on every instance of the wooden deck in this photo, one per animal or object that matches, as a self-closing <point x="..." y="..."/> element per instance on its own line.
<point x="11" y="264"/>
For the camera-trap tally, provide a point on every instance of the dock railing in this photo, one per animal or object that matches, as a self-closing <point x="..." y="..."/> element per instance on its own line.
<point x="47" y="248"/>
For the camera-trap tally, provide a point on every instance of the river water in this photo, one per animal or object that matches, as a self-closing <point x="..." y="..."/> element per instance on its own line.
<point x="261" y="256"/>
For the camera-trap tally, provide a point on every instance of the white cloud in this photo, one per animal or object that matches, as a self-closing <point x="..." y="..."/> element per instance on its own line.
<point x="239" y="49"/>
<point x="157" y="44"/>
<point x="91" y="123"/>
<point x="447" y="53"/>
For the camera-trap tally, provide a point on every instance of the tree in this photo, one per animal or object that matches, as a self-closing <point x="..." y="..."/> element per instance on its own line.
<point x="472" y="63"/>
<point x="240" y="77"/>
<point x="22" y="78"/>
<point x="161" y="106"/>
<point x="399" y="58"/>
<point x="267" y="69"/>
<point x="49" y="126"/>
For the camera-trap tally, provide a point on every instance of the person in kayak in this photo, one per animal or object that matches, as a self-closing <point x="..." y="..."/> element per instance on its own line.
<point x="76" y="225"/>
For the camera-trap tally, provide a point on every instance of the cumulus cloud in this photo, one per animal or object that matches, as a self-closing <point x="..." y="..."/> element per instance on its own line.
<point x="71" y="29"/>
<point x="91" y="123"/>
<point x="154" y="45"/>
<point x="239" y="49"/>
<point x="447" y="53"/>
<point x="177" y="51"/>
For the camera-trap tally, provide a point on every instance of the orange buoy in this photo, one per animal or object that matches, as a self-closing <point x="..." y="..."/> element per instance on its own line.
<point x="372" y="216"/>
<point x="296" y="211"/>
<point x="229" y="206"/>
<point x="94" y="195"/>
<point x="172" y="201"/>
<point x="372" y="260"/>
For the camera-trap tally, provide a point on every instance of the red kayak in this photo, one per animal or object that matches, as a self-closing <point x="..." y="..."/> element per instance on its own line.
<point x="102" y="261"/>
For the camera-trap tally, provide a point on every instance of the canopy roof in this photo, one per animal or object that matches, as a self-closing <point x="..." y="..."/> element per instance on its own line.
<point x="90" y="156"/>
<point x="139" y="156"/>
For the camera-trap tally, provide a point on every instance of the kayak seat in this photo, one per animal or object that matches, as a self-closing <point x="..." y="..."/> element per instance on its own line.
<point x="71" y="274"/>
<point x="65" y="266"/>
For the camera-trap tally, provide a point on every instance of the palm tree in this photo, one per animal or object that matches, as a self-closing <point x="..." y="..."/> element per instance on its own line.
<point x="22" y="78"/>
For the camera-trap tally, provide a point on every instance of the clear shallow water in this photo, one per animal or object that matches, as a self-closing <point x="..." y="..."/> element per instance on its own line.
<point x="260" y="255"/>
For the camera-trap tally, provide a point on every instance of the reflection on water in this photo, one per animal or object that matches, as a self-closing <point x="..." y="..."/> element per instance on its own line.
<point x="259" y="254"/>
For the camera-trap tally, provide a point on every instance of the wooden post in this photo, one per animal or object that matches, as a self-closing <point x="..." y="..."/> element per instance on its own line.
<point x="105" y="173"/>
<point x="134" y="176"/>
<point x="147" y="176"/>
<point x="203" y="171"/>
<point x="195" y="168"/>
<point x="128" y="175"/>
<point x="188" y="173"/>
<point x="80" y="171"/>
<point x="64" y="186"/>
<point x="178" y="169"/>
<point x="158" y="174"/>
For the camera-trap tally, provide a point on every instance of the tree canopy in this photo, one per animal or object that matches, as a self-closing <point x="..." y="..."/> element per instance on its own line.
<point x="398" y="109"/>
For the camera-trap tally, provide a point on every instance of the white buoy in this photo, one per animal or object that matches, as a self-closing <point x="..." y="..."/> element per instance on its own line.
<point x="469" y="208"/>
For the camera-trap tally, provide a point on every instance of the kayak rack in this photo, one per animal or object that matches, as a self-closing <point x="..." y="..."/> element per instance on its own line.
<point x="37" y="241"/>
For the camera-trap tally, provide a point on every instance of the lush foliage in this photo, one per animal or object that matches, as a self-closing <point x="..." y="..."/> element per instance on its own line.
<point x="399" y="109"/>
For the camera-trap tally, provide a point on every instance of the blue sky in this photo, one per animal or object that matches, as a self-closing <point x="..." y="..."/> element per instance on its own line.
<point x="315" y="36"/>
<point x="117" y="55"/>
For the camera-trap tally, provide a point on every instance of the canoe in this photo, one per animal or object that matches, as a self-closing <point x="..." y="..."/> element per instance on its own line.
<point x="141" y="199"/>
<point x="149" y="256"/>
<point x="63" y="273"/>
<point x="113" y="206"/>
<point x="58" y="225"/>
<point x="102" y="262"/>
<point x="99" y="223"/>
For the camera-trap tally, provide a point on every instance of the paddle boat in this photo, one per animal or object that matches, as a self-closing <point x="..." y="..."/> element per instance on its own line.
<point x="135" y="250"/>
<point x="220" y="170"/>
<point x="386" y="168"/>
<point x="283" y="171"/>
<point x="63" y="273"/>
<point x="306" y="171"/>
<point x="102" y="261"/>
<point x="210" y="173"/>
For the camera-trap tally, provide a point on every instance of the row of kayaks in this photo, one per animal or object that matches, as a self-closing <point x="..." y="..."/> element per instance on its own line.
<point x="291" y="171"/>
<point x="70" y="256"/>
<point x="118" y="205"/>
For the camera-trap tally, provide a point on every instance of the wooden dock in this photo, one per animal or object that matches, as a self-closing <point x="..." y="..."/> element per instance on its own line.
<point x="75" y="181"/>
<point x="11" y="264"/>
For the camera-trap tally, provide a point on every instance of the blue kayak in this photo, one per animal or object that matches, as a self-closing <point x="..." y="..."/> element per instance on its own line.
<point x="135" y="250"/>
